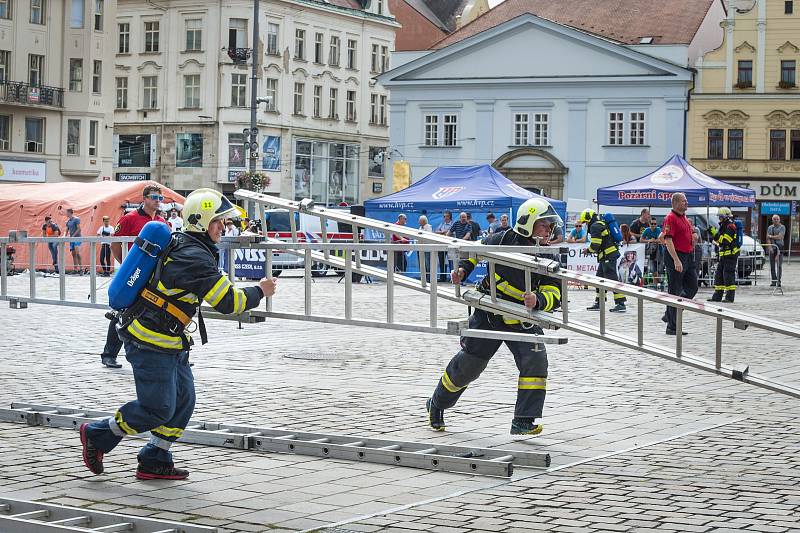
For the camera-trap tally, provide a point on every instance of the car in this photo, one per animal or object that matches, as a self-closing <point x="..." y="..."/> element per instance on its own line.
<point x="751" y="257"/>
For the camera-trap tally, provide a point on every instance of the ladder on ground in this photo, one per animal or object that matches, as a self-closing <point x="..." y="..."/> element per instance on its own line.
<point x="21" y="516"/>
<point x="349" y="261"/>
<point x="429" y="456"/>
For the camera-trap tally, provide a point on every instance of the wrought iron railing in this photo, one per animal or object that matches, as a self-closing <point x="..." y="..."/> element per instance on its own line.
<point x="239" y="55"/>
<point x="26" y="93"/>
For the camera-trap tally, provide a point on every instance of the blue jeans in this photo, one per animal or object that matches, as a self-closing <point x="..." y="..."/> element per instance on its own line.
<point x="163" y="406"/>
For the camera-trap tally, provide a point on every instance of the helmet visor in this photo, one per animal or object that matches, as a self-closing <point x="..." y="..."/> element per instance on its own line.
<point x="225" y="209"/>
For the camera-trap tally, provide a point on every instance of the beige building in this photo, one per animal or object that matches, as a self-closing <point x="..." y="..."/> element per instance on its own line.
<point x="55" y="87"/>
<point x="183" y="80"/>
<point x="744" y="117"/>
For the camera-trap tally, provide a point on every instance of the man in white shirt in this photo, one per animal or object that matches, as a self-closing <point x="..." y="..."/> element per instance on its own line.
<point x="230" y="229"/>
<point x="175" y="222"/>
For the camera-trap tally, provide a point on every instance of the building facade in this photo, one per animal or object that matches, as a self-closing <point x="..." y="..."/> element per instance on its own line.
<point x="55" y="87"/>
<point x="589" y="114"/>
<point x="744" y="120"/>
<point x="183" y="86"/>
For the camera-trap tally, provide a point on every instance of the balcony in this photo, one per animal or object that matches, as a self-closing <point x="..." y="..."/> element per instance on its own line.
<point x="18" y="92"/>
<point x="239" y="55"/>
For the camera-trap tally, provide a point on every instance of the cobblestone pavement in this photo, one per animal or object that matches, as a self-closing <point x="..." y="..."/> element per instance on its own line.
<point x="638" y="443"/>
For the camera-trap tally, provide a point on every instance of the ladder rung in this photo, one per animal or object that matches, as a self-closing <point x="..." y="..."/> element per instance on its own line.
<point x="43" y="513"/>
<point x="72" y="521"/>
<point x="390" y="447"/>
<point x="356" y="443"/>
<point x="123" y="526"/>
<point x="287" y="437"/>
<point x="323" y="440"/>
<point x="427" y="450"/>
<point x="503" y="459"/>
<point x="5" y="507"/>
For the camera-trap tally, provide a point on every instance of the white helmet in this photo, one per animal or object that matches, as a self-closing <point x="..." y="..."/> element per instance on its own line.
<point x="724" y="212"/>
<point x="532" y="210"/>
<point x="204" y="206"/>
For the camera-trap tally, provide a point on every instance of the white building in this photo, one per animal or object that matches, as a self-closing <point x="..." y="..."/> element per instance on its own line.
<point x="182" y="101"/>
<point x="556" y="109"/>
<point x="55" y="107"/>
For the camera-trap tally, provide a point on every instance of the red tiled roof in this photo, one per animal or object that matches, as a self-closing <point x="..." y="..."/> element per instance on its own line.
<point x="624" y="21"/>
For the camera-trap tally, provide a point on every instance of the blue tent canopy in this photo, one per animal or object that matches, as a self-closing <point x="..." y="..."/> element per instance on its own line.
<point x="476" y="189"/>
<point x="676" y="175"/>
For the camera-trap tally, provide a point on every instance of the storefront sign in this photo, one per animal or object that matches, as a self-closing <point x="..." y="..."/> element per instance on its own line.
<point x="133" y="176"/>
<point x="233" y="175"/>
<point x="30" y="171"/>
<point x="271" y="153"/>
<point x="775" y="208"/>
<point x="773" y="189"/>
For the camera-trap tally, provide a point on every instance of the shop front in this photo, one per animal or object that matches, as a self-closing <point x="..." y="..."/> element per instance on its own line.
<point x="326" y="171"/>
<point x="775" y="197"/>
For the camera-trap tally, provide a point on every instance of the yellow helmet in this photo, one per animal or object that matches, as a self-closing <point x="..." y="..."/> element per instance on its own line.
<point x="586" y="215"/>
<point x="204" y="206"/>
<point x="532" y="210"/>
<point x="724" y="212"/>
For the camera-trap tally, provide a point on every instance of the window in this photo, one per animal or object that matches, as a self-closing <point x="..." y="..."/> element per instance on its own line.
<point x="151" y="36"/>
<point x="777" y="144"/>
<point x="150" y="85"/>
<point x="299" y="90"/>
<point x="98" y="15"/>
<point x="272" y="39"/>
<point x="333" y="54"/>
<point x="189" y="150"/>
<point x="715" y="141"/>
<point x="5" y="9"/>
<point x="76" y="75"/>
<point x="431" y="130"/>
<point x="736" y="144"/>
<point x="5" y="65"/>
<point x="745" y="75"/>
<point x="76" y="13"/>
<point x="520" y="129"/>
<point x="541" y="129"/>
<point x="93" y="124"/>
<point x="124" y="38"/>
<point x="97" y="73"/>
<point x="451" y="130"/>
<point x="637" y="128"/>
<point x="350" y="106"/>
<point x="35" y="69"/>
<point x="191" y="91"/>
<point x="384" y="58"/>
<point x="374" y="58"/>
<point x="239" y="90"/>
<point x="134" y="151"/>
<point x="34" y="135"/>
<point x="325" y="171"/>
<point x="5" y="132"/>
<point x="318" y="47"/>
<point x="237" y="33"/>
<point x="616" y="126"/>
<point x="300" y="44"/>
<point x="271" y="93"/>
<point x="194" y="35"/>
<point x="382" y="111"/>
<point x="122" y="93"/>
<point x="379" y="9"/>
<point x="333" y="104"/>
<point x="73" y="136"/>
<point x="373" y="109"/>
<point x="788" y="71"/>
<point x="788" y="7"/>
<point x="236" y="150"/>
<point x="795" y="145"/>
<point x="352" y="57"/>
<point x="316" y="98"/>
<point x="37" y="11"/>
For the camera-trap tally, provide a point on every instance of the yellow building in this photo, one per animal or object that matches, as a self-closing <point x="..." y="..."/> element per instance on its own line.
<point x="744" y="113"/>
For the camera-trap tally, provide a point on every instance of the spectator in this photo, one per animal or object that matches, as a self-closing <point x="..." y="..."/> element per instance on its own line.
<point x="494" y="224"/>
<point x="106" y="230"/>
<point x="776" y="234"/>
<point x="230" y="229"/>
<point x="426" y="256"/>
<point x="627" y="236"/>
<point x="681" y="276"/>
<point x="175" y="222"/>
<point x="73" y="225"/>
<point x="503" y="223"/>
<point x="51" y="229"/>
<point x="578" y="234"/>
<point x="400" y="257"/>
<point x="475" y="232"/>
<point x="558" y="236"/>
<point x="442" y="229"/>
<point x="640" y="224"/>
<point x="461" y="228"/>
<point x="652" y="249"/>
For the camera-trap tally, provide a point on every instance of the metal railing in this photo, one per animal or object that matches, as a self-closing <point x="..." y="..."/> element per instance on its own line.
<point x="26" y="93"/>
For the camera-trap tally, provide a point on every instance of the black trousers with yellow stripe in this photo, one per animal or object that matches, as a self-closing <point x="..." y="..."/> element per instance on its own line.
<point x="607" y="268"/>
<point x="471" y="360"/>
<point x="725" y="278"/>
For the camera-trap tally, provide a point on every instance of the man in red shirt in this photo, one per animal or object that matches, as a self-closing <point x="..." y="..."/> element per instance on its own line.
<point x="129" y="226"/>
<point x="681" y="271"/>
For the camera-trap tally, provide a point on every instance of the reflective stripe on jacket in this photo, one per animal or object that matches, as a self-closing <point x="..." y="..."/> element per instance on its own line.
<point x="602" y="242"/>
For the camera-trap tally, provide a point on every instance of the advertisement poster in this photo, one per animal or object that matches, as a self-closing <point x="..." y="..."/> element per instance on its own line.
<point x="271" y="153"/>
<point x="377" y="156"/>
<point x="235" y="156"/>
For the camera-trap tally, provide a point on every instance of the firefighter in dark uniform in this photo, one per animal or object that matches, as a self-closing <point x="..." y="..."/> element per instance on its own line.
<point x="535" y="218"/>
<point x="602" y="243"/>
<point x="155" y="333"/>
<point x="727" y="241"/>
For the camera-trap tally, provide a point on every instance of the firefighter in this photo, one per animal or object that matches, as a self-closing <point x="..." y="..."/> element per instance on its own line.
<point x="536" y="218"/>
<point x="727" y="241"/>
<point x="155" y="333"/>
<point x="603" y="244"/>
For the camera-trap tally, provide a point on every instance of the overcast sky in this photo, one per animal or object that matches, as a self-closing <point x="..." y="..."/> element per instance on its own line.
<point x="493" y="3"/>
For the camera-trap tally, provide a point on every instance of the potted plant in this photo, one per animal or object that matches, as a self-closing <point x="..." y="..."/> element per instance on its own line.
<point x="784" y="84"/>
<point x="253" y="181"/>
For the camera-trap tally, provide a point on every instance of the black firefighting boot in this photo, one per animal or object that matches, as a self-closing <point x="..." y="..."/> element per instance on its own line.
<point x="92" y="457"/>
<point x="435" y="416"/>
<point x="161" y="471"/>
<point x="729" y="296"/>
<point x="595" y="307"/>
<point x="525" y="427"/>
<point x="716" y="297"/>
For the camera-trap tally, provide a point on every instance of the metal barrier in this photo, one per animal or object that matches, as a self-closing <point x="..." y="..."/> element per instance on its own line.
<point x="514" y="256"/>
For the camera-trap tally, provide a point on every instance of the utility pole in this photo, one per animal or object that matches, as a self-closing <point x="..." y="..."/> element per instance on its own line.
<point x="254" y="90"/>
